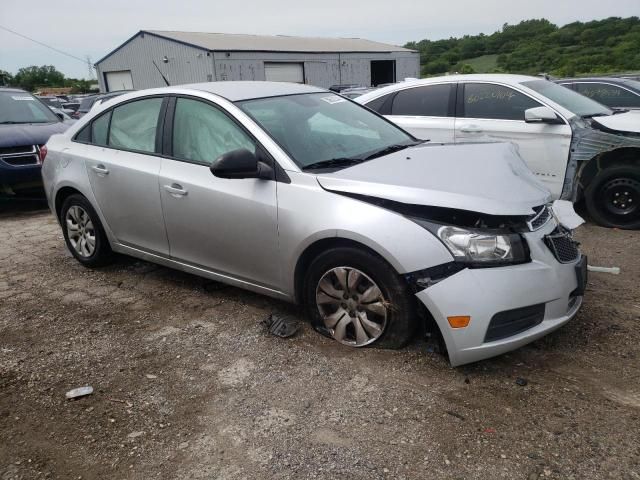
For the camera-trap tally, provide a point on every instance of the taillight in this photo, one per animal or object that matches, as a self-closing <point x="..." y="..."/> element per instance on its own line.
<point x="42" y="153"/>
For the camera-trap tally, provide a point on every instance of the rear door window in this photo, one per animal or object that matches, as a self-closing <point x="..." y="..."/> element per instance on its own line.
<point x="426" y="101"/>
<point x="134" y="125"/>
<point x="486" y="100"/>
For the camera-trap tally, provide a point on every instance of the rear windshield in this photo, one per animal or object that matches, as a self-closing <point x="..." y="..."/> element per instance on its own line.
<point x="22" y="107"/>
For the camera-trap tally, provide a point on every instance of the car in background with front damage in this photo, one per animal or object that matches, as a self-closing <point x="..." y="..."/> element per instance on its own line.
<point x="26" y="124"/>
<point x="615" y="93"/>
<point x="578" y="148"/>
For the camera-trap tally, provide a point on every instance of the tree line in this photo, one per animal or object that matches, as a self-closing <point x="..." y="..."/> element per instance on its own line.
<point x="536" y="46"/>
<point x="34" y="78"/>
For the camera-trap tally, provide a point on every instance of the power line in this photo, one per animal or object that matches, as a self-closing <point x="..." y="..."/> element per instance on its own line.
<point x="44" y="45"/>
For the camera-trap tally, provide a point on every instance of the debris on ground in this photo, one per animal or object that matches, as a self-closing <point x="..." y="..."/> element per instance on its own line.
<point x="611" y="270"/>
<point x="79" y="392"/>
<point x="283" y="326"/>
<point x="521" y="381"/>
<point x="455" y="414"/>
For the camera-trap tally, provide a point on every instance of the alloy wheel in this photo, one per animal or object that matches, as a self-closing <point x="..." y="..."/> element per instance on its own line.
<point x="80" y="231"/>
<point x="352" y="306"/>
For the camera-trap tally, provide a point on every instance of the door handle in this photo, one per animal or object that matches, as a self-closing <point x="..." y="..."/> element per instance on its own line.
<point x="470" y="129"/>
<point x="176" y="190"/>
<point x="100" y="169"/>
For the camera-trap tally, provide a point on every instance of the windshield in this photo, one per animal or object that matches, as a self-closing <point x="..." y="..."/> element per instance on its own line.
<point x="318" y="127"/>
<point x="572" y="101"/>
<point x="631" y="83"/>
<point x="22" y="107"/>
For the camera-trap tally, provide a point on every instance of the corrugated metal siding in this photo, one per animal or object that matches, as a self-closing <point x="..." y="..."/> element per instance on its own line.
<point x="186" y="64"/>
<point x="189" y="65"/>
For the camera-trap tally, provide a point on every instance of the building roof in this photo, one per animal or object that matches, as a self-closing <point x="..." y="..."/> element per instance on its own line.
<point x="231" y="42"/>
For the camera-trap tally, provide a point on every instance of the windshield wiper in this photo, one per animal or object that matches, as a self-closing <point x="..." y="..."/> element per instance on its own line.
<point x="333" y="162"/>
<point x="599" y="114"/>
<point x="390" y="149"/>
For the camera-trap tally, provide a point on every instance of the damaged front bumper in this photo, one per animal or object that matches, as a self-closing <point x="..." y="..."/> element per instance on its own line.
<point x="509" y="306"/>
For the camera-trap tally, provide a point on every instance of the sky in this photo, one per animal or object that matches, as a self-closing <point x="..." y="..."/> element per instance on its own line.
<point x="93" y="29"/>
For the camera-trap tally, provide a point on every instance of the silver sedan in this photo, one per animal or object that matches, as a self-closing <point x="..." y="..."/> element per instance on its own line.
<point x="301" y="194"/>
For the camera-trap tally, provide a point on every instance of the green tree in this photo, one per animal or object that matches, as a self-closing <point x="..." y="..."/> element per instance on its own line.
<point x="467" y="69"/>
<point x="6" y="79"/>
<point x="533" y="46"/>
<point x="30" y="78"/>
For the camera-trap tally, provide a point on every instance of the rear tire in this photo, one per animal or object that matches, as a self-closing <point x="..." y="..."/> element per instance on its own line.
<point x="83" y="233"/>
<point x="358" y="299"/>
<point x="613" y="197"/>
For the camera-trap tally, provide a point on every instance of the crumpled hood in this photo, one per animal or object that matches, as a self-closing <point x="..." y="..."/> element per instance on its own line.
<point x="488" y="178"/>
<point x="29" y="133"/>
<point x="623" y="122"/>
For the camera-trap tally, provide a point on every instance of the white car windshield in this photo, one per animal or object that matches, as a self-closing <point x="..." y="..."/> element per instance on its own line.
<point x="324" y="130"/>
<point x="574" y="102"/>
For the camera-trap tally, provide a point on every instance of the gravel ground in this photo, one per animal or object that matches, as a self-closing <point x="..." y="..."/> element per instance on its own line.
<point x="188" y="384"/>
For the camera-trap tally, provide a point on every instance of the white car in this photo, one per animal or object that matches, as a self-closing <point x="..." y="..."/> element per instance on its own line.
<point x="574" y="145"/>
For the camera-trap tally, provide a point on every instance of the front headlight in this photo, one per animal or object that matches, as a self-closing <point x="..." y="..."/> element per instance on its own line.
<point x="480" y="248"/>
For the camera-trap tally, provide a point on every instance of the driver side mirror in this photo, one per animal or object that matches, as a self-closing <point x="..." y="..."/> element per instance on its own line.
<point x="59" y="115"/>
<point x="541" y="115"/>
<point x="241" y="163"/>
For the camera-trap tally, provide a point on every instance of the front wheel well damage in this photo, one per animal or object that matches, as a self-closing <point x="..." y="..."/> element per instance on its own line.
<point x="427" y="324"/>
<point x="614" y="158"/>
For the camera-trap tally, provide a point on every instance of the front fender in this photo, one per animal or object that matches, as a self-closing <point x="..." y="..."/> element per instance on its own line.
<point x="400" y="241"/>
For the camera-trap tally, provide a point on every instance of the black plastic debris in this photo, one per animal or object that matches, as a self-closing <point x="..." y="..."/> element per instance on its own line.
<point x="283" y="326"/>
<point x="521" y="381"/>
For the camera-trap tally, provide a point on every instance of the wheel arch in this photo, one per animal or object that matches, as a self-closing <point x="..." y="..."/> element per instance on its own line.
<point x="316" y="248"/>
<point x="61" y="195"/>
<point x="618" y="157"/>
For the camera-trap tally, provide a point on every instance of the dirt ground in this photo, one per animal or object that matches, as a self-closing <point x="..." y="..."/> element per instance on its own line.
<point x="188" y="384"/>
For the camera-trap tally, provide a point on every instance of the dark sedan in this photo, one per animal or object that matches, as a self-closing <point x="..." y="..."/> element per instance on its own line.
<point x="25" y="127"/>
<point x="609" y="91"/>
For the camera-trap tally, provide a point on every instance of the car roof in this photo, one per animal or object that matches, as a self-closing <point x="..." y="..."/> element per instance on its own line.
<point x="493" y="77"/>
<point x="11" y="89"/>
<point x="245" y="90"/>
<point x="590" y="79"/>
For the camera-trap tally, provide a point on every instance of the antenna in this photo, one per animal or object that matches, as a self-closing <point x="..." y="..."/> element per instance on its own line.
<point x="163" y="77"/>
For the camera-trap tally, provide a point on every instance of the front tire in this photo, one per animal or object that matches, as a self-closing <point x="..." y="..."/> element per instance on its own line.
<point x="358" y="299"/>
<point x="83" y="233"/>
<point x="613" y="197"/>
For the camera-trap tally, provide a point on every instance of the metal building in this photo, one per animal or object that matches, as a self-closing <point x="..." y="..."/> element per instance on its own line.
<point x="189" y="57"/>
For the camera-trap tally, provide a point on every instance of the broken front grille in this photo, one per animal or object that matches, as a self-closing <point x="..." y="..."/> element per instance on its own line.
<point x="20" y="156"/>
<point x="541" y="217"/>
<point x="563" y="247"/>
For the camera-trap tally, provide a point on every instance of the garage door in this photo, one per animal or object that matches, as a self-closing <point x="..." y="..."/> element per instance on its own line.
<point x="284" y="72"/>
<point x="119" y="80"/>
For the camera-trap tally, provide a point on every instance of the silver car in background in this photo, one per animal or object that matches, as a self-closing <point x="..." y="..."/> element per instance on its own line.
<point x="298" y="193"/>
